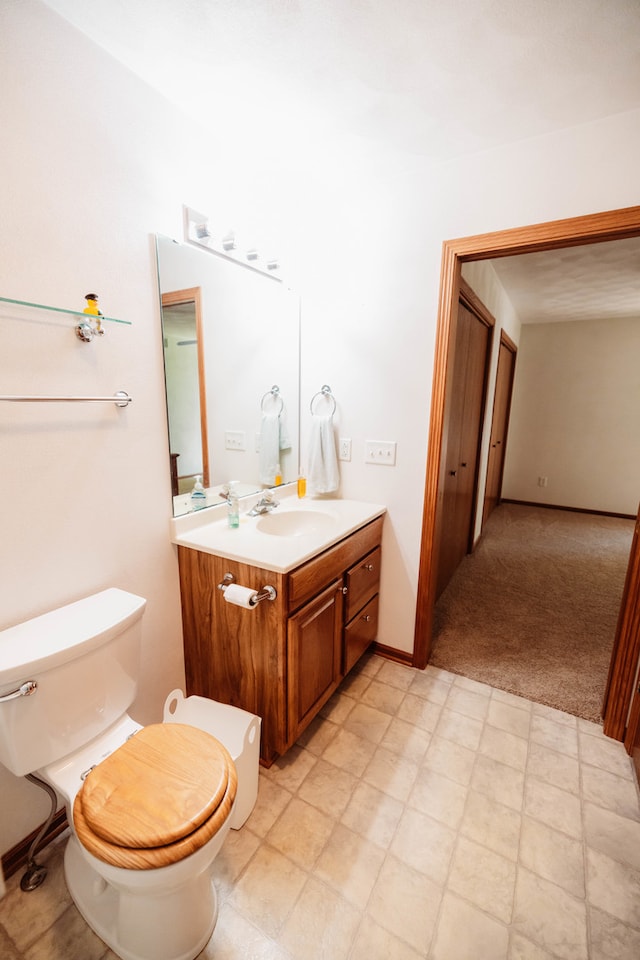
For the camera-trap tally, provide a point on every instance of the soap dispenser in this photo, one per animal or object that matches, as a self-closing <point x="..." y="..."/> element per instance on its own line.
<point x="198" y="495"/>
<point x="233" y="511"/>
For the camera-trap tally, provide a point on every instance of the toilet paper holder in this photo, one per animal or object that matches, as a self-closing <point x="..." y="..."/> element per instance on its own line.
<point x="266" y="593"/>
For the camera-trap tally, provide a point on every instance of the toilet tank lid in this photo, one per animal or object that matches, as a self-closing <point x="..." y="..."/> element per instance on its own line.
<point x="54" y="638"/>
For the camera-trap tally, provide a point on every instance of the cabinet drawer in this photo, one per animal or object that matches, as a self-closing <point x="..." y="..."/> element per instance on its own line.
<point x="362" y="581"/>
<point x="311" y="577"/>
<point x="358" y="634"/>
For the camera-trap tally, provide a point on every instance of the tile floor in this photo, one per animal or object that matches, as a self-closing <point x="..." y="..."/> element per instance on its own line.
<point x="423" y="815"/>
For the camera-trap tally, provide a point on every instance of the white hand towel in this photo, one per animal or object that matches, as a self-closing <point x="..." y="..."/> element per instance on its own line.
<point x="322" y="475"/>
<point x="285" y="442"/>
<point x="269" y="448"/>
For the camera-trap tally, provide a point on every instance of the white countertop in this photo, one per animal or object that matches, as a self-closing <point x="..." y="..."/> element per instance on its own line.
<point x="208" y="530"/>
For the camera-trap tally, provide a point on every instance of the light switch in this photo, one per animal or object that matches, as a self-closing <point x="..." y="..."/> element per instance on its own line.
<point x="234" y="440"/>
<point x="380" y="451"/>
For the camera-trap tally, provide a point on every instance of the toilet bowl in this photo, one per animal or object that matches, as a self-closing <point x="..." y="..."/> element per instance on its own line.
<point x="160" y="797"/>
<point x="148" y="821"/>
<point x="149" y="807"/>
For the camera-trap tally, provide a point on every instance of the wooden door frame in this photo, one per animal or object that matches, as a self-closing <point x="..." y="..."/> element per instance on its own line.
<point x="553" y="235"/>
<point x="193" y="295"/>
<point x="621" y="682"/>
<point x="506" y="342"/>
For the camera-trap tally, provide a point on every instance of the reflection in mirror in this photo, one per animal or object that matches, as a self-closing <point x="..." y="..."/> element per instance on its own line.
<point x="185" y="386"/>
<point x="231" y="340"/>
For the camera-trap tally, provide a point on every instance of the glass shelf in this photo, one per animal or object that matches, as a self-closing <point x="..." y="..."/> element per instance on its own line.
<point x="73" y="313"/>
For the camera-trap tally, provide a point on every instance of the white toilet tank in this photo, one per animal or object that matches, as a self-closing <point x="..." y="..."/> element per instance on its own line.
<point x="84" y="658"/>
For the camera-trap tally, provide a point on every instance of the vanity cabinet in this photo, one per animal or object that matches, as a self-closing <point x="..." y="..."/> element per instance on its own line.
<point x="314" y="656"/>
<point x="284" y="658"/>
<point x="361" y="614"/>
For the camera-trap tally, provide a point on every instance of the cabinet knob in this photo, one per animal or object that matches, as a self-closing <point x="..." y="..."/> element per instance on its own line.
<point x="366" y="618"/>
<point x="367" y="566"/>
<point x="345" y="590"/>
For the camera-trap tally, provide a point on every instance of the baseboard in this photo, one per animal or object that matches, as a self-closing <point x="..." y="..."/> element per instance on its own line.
<point x="14" y="859"/>
<point x="558" y="506"/>
<point x="390" y="653"/>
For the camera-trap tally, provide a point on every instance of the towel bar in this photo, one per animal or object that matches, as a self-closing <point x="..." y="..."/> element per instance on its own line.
<point x="274" y="393"/>
<point x="121" y="399"/>
<point x="325" y="391"/>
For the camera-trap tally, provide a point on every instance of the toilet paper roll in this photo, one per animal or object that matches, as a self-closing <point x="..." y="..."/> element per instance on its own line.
<point x="241" y="596"/>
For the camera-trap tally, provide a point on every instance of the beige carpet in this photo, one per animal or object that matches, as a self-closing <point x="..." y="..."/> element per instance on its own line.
<point x="534" y="609"/>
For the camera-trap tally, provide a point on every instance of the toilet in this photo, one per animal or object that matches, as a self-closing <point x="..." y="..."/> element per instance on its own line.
<point x="149" y="807"/>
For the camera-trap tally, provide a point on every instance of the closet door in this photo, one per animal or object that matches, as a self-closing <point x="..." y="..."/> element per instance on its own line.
<point x="466" y="409"/>
<point x="499" y="424"/>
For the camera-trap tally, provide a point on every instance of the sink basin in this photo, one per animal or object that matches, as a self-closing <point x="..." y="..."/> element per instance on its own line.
<point x="281" y="540"/>
<point x="296" y="523"/>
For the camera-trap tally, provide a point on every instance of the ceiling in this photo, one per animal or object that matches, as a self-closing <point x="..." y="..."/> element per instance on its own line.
<point x="599" y="281"/>
<point x="430" y="78"/>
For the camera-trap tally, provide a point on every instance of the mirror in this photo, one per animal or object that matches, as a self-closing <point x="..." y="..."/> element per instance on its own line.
<point x="231" y="338"/>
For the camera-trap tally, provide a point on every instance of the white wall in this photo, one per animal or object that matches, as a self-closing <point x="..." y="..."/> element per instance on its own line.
<point x="95" y="164"/>
<point x="574" y="416"/>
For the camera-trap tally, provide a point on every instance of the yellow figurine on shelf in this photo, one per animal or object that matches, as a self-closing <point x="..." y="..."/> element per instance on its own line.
<point x="92" y="309"/>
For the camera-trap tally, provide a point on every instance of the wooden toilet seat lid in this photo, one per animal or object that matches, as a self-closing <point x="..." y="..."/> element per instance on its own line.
<point x="157" y="788"/>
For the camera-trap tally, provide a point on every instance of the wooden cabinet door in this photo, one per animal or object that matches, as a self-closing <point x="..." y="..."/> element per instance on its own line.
<point x="314" y="636"/>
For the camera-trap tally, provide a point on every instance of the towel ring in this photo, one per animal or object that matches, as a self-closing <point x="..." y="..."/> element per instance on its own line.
<point x="324" y="392"/>
<point x="274" y="393"/>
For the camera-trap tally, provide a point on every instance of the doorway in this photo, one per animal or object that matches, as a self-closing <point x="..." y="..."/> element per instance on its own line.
<point x="613" y="225"/>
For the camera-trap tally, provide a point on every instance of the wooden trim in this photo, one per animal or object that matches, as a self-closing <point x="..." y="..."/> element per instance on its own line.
<point x="551" y="235"/>
<point x="558" y="506"/>
<point x="626" y="649"/>
<point x="427" y="575"/>
<point x="508" y="342"/>
<point x="16" y="858"/>
<point x="631" y="737"/>
<point x="471" y="300"/>
<point x="193" y="295"/>
<point x="391" y="653"/>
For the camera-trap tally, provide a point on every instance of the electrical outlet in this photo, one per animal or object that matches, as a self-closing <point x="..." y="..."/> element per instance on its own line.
<point x="380" y="451"/>
<point x="344" y="448"/>
<point x="234" y="440"/>
<point x="542" y="481"/>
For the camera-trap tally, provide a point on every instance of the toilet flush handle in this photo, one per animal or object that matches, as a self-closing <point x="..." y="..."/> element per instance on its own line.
<point x="25" y="690"/>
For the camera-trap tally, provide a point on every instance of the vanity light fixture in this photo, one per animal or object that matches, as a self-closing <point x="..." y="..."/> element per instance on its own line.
<point x="198" y="232"/>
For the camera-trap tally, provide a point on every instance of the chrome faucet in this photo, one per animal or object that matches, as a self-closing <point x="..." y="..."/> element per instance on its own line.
<point x="265" y="504"/>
